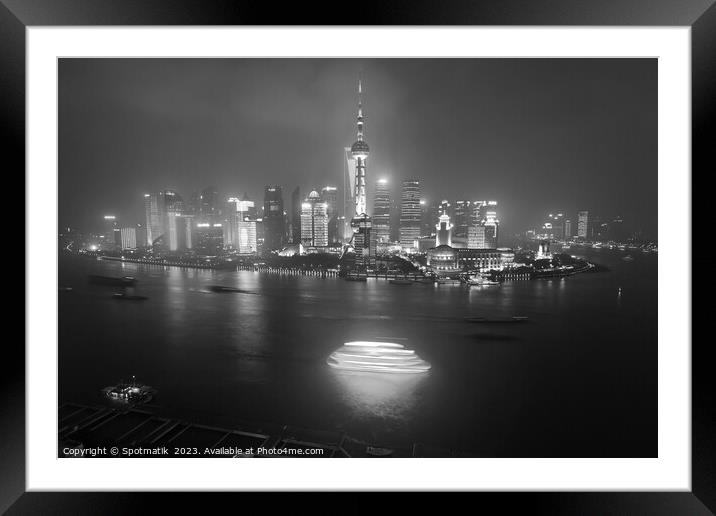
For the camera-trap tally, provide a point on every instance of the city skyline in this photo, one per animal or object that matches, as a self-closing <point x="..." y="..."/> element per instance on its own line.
<point x="395" y="157"/>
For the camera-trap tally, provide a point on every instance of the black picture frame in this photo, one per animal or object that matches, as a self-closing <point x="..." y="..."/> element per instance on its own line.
<point x="700" y="15"/>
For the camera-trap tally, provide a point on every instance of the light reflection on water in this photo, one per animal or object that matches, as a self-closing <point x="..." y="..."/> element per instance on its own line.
<point x="379" y="395"/>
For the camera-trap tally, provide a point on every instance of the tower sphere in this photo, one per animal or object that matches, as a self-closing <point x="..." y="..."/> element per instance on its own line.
<point x="360" y="149"/>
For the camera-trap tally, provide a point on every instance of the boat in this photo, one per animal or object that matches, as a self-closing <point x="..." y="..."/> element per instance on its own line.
<point x="398" y="281"/>
<point x="65" y="289"/>
<point x="111" y="280"/>
<point x="513" y="319"/>
<point x="131" y="393"/>
<point x="221" y="288"/>
<point x="628" y="258"/>
<point x="128" y="297"/>
<point x="480" y="281"/>
<point x="356" y="278"/>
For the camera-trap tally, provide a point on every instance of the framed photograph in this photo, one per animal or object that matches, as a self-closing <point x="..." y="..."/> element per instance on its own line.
<point x="426" y="248"/>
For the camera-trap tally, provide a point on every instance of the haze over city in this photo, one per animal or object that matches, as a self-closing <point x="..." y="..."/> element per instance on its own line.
<point x="539" y="135"/>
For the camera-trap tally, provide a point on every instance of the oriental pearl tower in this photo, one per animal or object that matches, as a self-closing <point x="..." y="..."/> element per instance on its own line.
<point x="361" y="222"/>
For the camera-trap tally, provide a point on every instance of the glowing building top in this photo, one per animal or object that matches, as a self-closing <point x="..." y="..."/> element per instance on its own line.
<point x="360" y="151"/>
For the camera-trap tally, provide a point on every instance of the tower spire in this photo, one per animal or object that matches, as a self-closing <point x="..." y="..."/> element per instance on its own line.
<point x="360" y="110"/>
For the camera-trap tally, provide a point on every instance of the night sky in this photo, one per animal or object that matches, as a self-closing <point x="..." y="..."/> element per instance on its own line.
<point x="537" y="135"/>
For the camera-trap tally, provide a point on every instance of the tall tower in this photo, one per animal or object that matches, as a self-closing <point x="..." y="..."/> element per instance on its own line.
<point x="361" y="222"/>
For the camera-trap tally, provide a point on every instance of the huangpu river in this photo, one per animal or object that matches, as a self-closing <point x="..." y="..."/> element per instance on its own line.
<point x="578" y="379"/>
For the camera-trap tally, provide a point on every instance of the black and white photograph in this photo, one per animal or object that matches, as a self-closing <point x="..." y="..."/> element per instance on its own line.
<point x="357" y="257"/>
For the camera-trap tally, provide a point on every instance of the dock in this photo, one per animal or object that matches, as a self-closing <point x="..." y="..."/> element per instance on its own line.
<point x="84" y="427"/>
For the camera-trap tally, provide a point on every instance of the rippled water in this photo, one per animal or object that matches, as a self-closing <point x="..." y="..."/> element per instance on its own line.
<point x="577" y="379"/>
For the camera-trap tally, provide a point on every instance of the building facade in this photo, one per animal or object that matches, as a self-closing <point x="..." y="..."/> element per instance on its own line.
<point x="314" y="221"/>
<point x="381" y="211"/>
<point x="410" y="214"/>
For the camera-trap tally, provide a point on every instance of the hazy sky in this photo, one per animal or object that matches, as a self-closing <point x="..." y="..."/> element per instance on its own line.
<point x="537" y="135"/>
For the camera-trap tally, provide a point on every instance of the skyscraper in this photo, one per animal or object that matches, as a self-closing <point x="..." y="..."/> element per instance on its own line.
<point x="173" y="208"/>
<point x="208" y="205"/>
<point x="112" y="235"/>
<point x="154" y="207"/>
<point x="274" y="219"/>
<point x="582" y="224"/>
<point x="129" y="238"/>
<point x="314" y="221"/>
<point x="410" y="214"/>
<point x="381" y="211"/>
<point x="461" y="216"/>
<point x="329" y="195"/>
<point x="295" y="232"/>
<point x="361" y="222"/>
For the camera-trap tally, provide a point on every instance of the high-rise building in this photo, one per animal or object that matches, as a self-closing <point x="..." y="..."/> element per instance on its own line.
<point x="173" y="209"/>
<point x="154" y="208"/>
<point x="381" y="211"/>
<point x="314" y="221"/>
<point x="567" y="229"/>
<point x="462" y="213"/>
<point x="209" y="205"/>
<point x="129" y="238"/>
<point x="476" y="237"/>
<point x="111" y="236"/>
<point x="295" y="232"/>
<point x="429" y="213"/>
<point x="582" y="224"/>
<point x="274" y="219"/>
<point x="329" y="195"/>
<point x="141" y="235"/>
<point x="410" y="214"/>
<point x="553" y="227"/>
<point x="209" y="239"/>
<point x="247" y="242"/>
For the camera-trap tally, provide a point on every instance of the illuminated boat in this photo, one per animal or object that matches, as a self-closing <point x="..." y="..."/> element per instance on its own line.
<point x="480" y="281"/>
<point x="129" y="393"/>
<point x="380" y="357"/>
<point x="399" y="281"/>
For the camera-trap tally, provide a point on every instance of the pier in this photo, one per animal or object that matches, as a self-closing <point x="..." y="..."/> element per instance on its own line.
<point x="83" y="427"/>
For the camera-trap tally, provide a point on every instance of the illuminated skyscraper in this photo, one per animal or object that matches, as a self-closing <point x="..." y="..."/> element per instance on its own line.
<point x="381" y="211"/>
<point x="461" y="216"/>
<point x="112" y="237"/>
<point x="568" y="228"/>
<point x="173" y="209"/>
<point x="129" y="238"/>
<point x="582" y="224"/>
<point x="410" y="214"/>
<point x="295" y="232"/>
<point x="154" y="207"/>
<point x="314" y="221"/>
<point x="329" y="195"/>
